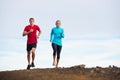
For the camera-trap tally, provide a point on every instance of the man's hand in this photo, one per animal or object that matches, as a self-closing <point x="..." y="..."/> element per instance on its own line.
<point x="38" y="36"/>
<point x="31" y="30"/>
<point x="39" y="33"/>
<point x="26" y="33"/>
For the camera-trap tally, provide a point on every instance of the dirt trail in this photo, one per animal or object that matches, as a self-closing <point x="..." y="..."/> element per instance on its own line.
<point x="72" y="73"/>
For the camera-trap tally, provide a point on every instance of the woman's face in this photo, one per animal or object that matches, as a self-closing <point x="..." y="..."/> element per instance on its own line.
<point x="58" y="23"/>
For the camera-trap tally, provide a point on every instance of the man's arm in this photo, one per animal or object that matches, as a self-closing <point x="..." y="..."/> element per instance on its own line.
<point x="26" y="33"/>
<point x="39" y="33"/>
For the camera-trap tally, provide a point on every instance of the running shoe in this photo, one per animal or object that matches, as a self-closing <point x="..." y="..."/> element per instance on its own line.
<point x="32" y="64"/>
<point x="28" y="67"/>
<point x="53" y="64"/>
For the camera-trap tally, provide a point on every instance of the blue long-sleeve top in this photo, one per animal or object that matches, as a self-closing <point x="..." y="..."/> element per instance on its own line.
<point x="57" y="33"/>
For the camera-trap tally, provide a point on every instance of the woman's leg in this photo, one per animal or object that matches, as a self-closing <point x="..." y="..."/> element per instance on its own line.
<point x="54" y="46"/>
<point x="58" y="54"/>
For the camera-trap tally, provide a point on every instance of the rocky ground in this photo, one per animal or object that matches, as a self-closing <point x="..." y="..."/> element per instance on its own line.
<point x="78" y="72"/>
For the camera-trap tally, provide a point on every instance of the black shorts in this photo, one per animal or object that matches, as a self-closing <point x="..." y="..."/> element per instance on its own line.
<point x="30" y="46"/>
<point x="56" y="49"/>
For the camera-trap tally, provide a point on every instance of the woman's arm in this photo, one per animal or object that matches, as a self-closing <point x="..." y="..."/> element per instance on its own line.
<point x="51" y="35"/>
<point x="62" y="34"/>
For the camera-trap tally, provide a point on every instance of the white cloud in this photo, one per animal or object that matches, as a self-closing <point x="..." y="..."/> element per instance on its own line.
<point x="92" y="17"/>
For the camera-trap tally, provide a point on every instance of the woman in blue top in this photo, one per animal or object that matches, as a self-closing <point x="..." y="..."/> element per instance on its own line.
<point x="57" y="33"/>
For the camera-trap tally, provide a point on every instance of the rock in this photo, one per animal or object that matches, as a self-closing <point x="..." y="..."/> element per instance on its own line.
<point x="102" y="71"/>
<point x="110" y="67"/>
<point x="97" y="68"/>
<point x="92" y="71"/>
<point x="82" y="66"/>
<point x="115" y="66"/>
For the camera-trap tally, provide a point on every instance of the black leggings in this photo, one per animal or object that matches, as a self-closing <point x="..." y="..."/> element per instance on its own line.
<point x="56" y="49"/>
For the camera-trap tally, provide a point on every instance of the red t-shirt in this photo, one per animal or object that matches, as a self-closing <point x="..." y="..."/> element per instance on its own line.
<point x="32" y="37"/>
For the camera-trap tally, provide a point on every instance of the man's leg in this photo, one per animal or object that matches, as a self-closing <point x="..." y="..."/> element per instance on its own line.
<point x="28" y="59"/>
<point x="33" y="54"/>
<point x="58" y="54"/>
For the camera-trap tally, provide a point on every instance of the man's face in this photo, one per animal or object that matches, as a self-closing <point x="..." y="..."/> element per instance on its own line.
<point x="58" y="23"/>
<point x="31" y="22"/>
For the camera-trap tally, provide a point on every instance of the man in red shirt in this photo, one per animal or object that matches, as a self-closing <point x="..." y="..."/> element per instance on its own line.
<point x="31" y="32"/>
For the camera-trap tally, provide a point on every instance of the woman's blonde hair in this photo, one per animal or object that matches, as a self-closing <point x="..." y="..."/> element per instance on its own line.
<point x="58" y="21"/>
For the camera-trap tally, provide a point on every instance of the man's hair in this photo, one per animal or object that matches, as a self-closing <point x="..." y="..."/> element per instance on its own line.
<point x="31" y="19"/>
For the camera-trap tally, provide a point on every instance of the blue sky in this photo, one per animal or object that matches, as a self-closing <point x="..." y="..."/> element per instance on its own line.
<point x="92" y="32"/>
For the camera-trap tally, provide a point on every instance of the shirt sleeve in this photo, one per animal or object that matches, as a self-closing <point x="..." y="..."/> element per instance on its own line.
<point x="62" y="35"/>
<point x="51" y="35"/>
<point x="38" y="28"/>
<point x="25" y="29"/>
